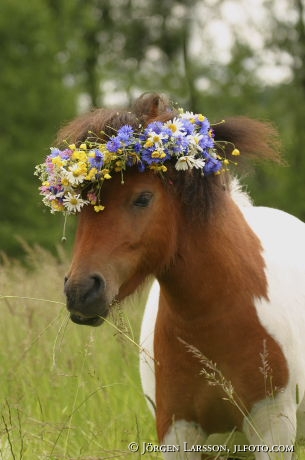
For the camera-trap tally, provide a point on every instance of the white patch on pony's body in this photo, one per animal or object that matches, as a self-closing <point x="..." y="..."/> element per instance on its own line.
<point x="240" y="196"/>
<point x="180" y="432"/>
<point x="147" y="364"/>
<point x="283" y="316"/>
<point x="273" y="420"/>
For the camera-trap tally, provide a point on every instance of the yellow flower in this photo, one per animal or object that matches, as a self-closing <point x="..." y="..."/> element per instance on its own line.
<point x="161" y="168"/>
<point x="119" y="166"/>
<point x="57" y="206"/>
<point x="80" y="170"/>
<point x="148" y="143"/>
<point x="235" y="152"/>
<point x="106" y="174"/>
<point x="65" y="181"/>
<point x="58" y="161"/>
<point x="72" y="147"/>
<point x="83" y="146"/>
<point x="99" y="208"/>
<point x="156" y="138"/>
<point x="226" y="161"/>
<point x="79" y="155"/>
<point x="91" y="174"/>
<point x="158" y="154"/>
<point x="172" y="127"/>
<point x="201" y="117"/>
<point x="46" y="183"/>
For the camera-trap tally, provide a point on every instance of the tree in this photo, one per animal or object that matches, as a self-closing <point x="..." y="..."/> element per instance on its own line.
<point x="34" y="100"/>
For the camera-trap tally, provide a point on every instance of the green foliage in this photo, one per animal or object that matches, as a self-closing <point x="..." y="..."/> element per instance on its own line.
<point x="71" y="392"/>
<point x="66" y="391"/>
<point x="34" y="101"/>
<point x="58" y="56"/>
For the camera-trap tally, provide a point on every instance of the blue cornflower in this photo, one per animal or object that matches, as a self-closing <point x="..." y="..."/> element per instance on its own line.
<point x="55" y="152"/>
<point x="181" y="144"/>
<point x="147" y="158"/>
<point x="207" y="142"/>
<point x="204" y="126"/>
<point x="98" y="160"/>
<point x="212" y="165"/>
<point x="125" y="134"/>
<point x="137" y="147"/>
<point x="141" y="166"/>
<point x="187" y="126"/>
<point x="114" y="144"/>
<point x="155" y="126"/>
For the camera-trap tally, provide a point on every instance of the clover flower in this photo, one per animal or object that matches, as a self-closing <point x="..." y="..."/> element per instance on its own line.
<point x="72" y="177"/>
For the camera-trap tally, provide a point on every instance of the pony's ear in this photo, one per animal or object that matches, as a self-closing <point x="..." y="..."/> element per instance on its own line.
<point x="255" y="139"/>
<point x="150" y="106"/>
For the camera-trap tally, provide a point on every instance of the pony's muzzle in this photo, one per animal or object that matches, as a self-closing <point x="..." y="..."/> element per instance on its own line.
<point x="86" y="299"/>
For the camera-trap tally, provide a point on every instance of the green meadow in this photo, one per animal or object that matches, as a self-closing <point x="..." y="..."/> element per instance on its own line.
<point x="67" y="392"/>
<point x="70" y="392"/>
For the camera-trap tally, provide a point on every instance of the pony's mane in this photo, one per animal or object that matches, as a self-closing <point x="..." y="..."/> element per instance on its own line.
<point x="199" y="194"/>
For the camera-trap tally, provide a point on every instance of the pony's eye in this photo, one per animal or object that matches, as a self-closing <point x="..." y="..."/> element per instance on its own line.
<point x="143" y="200"/>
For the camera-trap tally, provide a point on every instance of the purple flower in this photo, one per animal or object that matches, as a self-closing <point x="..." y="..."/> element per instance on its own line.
<point x="141" y="166"/>
<point x="137" y="147"/>
<point x="125" y="134"/>
<point x="155" y="126"/>
<point x="206" y="142"/>
<point x="147" y="158"/>
<point x="98" y="161"/>
<point x="204" y="126"/>
<point x="114" y="144"/>
<point x="54" y="152"/>
<point x="188" y="126"/>
<point x="64" y="154"/>
<point x="212" y="165"/>
<point x="181" y="144"/>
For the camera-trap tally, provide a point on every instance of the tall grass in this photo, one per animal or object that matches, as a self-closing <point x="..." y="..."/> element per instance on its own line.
<point x="66" y="391"/>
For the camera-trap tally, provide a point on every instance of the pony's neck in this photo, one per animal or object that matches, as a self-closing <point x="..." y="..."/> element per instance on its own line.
<point x="217" y="263"/>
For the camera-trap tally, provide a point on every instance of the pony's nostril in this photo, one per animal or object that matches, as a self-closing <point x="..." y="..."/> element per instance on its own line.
<point x="95" y="288"/>
<point x="85" y="295"/>
<point x="98" y="283"/>
<point x="65" y="280"/>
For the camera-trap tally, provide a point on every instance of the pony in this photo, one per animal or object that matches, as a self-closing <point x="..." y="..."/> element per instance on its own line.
<point x="228" y="296"/>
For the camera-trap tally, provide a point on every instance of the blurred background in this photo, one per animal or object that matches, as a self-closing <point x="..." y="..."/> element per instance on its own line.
<point x="59" y="58"/>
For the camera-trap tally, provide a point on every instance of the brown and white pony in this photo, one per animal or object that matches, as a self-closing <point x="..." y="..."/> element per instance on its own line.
<point x="230" y="281"/>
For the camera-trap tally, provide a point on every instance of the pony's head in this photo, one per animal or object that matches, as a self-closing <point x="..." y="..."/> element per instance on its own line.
<point x="116" y="249"/>
<point x="135" y="224"/>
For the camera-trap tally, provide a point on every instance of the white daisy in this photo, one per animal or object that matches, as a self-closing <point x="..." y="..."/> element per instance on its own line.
<point x="176" y="126"/>
<point x="75" y="175"/>
<point x="189" y="162"/>
<point x="194" y="140"/>
<point x="73" y="203"/>
<point x="188" y="115"/>
<point x="155" y="139"/>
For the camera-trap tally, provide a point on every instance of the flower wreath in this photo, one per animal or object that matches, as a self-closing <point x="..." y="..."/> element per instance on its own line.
<point x="72" y="178"/>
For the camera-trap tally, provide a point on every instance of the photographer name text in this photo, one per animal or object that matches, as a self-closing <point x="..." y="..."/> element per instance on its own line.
<point x="148" y="448"/>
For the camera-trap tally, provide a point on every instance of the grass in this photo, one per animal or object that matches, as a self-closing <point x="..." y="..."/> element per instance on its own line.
<point x="66" y="392"/>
